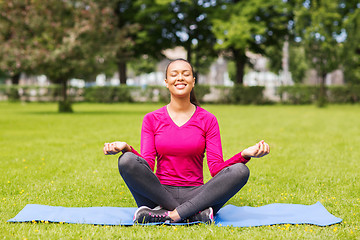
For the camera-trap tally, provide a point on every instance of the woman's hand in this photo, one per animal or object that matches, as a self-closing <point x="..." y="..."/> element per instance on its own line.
<point x="258" y="150"/>
<point x="116" y="147"/>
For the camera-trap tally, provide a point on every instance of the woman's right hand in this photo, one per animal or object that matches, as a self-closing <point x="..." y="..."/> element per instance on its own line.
<point x="116" y="147"/>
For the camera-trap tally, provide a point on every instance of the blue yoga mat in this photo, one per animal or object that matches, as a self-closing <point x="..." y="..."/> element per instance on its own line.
<point x="230" y="215"/>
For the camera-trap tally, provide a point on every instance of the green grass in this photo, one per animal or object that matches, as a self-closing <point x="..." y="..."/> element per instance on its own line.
<point x="56" y="159"/>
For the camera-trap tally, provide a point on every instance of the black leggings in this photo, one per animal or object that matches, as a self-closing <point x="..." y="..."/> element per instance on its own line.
<point x="148" y="191"/>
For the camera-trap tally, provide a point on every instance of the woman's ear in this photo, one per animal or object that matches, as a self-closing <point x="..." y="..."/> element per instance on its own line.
<point x="166" y="83"/>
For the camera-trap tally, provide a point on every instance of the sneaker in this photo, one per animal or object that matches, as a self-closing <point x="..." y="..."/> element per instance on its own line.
<point x="147" y="215"/>
<point x="205" y="216"/>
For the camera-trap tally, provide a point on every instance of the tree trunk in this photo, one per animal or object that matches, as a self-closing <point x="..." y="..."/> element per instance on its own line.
<point x="322" y="91"/>
<point x="189" y="52"/>
<point x="64" y="91"/>
<point x="240" y="61"/>
<point x="197" y="64"/>
<point x="64" y="103"/>
<point x="15" y="79"/>
<point x="122" y="72"/>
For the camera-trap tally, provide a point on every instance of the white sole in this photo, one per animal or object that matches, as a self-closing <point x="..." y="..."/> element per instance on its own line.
<point x="139" y="209"/>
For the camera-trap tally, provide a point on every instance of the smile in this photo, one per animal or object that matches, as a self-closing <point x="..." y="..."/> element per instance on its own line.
<point x="180" y="85"/>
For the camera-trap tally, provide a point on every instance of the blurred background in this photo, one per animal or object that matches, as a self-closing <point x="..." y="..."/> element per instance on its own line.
<point x="243" y="52"/>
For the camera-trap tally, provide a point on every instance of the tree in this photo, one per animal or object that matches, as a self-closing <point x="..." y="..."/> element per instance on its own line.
<point x="192" y="27"/>
<point x="142" y="24"/>
<point x="61" y="39"/>
<point x="298" y="64"/>
<point x="126" y="29"/>
<point x="250" y="26"/>
<point x="351" y="50"/>
<point x="13" y="40"/>
<point x="318" y="23"/>
<point x="297" y="61"/>
<point x="184" y="23"/>
<point x="145" y="64"/>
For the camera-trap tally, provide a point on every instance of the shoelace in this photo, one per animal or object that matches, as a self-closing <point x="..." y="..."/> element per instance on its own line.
<point x="158" y="217"/>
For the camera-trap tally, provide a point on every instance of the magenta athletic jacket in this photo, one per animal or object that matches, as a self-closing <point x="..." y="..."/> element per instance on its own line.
<point x="180" y="150"/>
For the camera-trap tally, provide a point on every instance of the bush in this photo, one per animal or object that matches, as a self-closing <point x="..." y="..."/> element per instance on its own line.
<point x="108" y="94"/>
<point x="247" y="95"/>
<point x="338" y="94"/>
<point x="354" y="93"/>
<point x="31" y="93"/>
<point x="298" y="94"/>
<point x="156" y="94"/>
<point x="201" y="91"/>
<point x="301" y="94"/>
<point x="11" y="92"/>
<point x="344" y="94"/>
<point x="224" y="94"/>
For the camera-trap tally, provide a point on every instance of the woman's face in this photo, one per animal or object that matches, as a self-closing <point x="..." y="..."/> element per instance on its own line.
<point x="179" y="78"/>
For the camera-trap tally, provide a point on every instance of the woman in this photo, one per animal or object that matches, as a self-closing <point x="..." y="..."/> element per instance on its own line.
<point x="177" y="136"/>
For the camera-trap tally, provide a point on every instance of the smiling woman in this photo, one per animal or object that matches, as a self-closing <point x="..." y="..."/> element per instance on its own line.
<point x="176" y="136"/>
<point x="180" y="79"/>
<point x="182" y="71"/>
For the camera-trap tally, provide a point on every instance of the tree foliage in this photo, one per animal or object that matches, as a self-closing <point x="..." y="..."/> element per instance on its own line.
<point x="318" y="23"/>
<point x="351" y="53"/>
<point x="298" y="65"/>
<point x="78" y="39"/>
<point x="250" y="26"/>
<point x="61" y="39"/>
<point x="140" y="26"/>
<point x="187" y="23"/>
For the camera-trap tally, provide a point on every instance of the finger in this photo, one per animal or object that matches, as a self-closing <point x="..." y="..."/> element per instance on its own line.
<point x="104" y="148"/>
<point x="108" y="148"/>
<point x="258" y="145"/>
<point x="267" y="148"/>
<point x="115" y="148"/>
<point x="111" y="147"/>
<point x="261" y="149"/>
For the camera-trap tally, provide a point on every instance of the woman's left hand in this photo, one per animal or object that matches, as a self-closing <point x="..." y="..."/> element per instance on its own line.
<point x="258" y="150"/>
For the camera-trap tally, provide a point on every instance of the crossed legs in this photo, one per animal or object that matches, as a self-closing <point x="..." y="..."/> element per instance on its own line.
<point x="148" y="191"/>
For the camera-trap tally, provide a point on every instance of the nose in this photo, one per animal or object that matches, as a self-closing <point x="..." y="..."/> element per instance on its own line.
<point x="180" y="77"/>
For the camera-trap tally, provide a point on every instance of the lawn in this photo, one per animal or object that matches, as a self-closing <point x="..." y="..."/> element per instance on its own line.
<point x="56" y="159"/>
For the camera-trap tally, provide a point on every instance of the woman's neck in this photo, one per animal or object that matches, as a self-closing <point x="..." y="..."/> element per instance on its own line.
<point x="180" y="105"/>
<point x="180" y="111"/>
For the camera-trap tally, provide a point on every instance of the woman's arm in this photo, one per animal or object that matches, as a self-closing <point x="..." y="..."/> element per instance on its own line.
<point x="214" y="150"/>
<point x="147" y="143"/>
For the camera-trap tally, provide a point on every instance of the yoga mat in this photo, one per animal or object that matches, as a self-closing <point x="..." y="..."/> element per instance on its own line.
<point x="230" y="215"/>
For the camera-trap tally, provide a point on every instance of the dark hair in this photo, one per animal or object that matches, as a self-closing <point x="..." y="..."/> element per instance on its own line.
<point x="193" y="98"/>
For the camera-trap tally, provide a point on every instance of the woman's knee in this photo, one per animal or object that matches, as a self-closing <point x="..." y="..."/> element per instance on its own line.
<point x="127" y="161"/>
<point x="241" y="172"/>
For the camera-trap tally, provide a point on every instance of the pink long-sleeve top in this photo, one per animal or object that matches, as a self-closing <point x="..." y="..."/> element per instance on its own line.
<point x="180" y="150"/>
